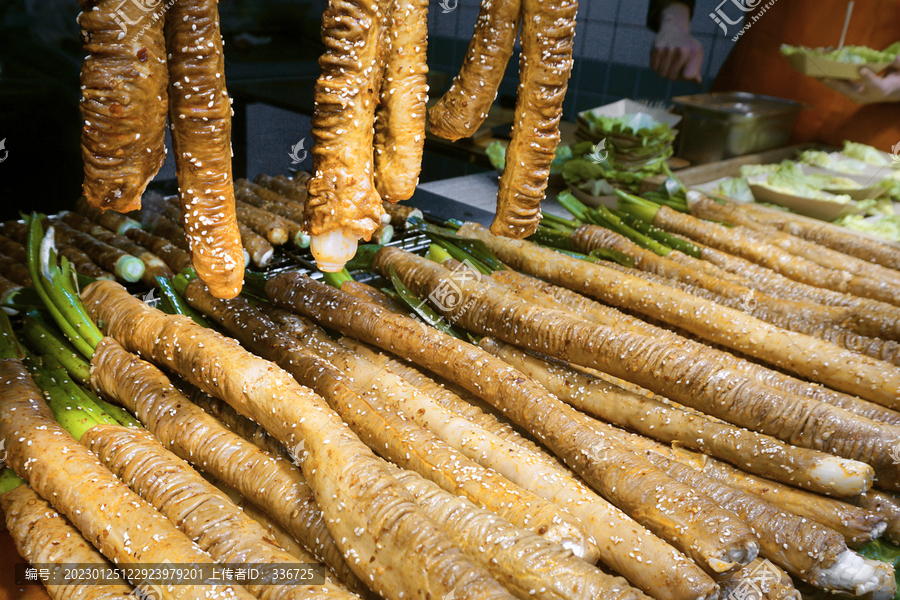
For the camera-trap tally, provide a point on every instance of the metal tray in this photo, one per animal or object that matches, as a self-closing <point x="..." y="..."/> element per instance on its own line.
<point x="728" y="124"/>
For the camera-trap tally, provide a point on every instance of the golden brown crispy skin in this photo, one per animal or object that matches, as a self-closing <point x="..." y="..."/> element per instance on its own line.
<point x="176" y="258"/>
<point x="43" y="537"/>
<point x="656" y="363"/>
<point x="386" y="539"/>
<point x="342" y="190"/>
<point x="548" y="31"/>
<point x="200" y="116"/>
<point x="400" y="118"/>
<point x="192" y="434"/>
<point x="202" y="511"/>
<point x="462" y="109"/>
<point x="125" y="529"/>
<point x="123" y="83"/>
<point x="827" y="234"/>
<point x="650" y="496"/>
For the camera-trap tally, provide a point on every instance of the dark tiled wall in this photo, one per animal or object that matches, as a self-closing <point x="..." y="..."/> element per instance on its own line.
<point x="612" y="51"/>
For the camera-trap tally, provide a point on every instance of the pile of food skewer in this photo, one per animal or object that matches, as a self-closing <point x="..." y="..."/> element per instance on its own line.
<point x="640" y="402"/>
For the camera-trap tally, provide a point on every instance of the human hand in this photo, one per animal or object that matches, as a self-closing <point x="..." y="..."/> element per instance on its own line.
<point x="676" y="54"/>
<point x="871" y="88"/>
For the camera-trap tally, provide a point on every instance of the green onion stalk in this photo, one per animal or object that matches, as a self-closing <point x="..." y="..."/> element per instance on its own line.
<point x="419" y="307"/>
<point x="172" y="302"/>
<point x="603" y="217"/>
<point x="661" y="236"/>
<point x="56" y="287"/>
<point x="337" y="279"/>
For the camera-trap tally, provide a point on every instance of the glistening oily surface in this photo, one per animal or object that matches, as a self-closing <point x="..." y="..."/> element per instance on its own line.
<point x="386" y="539"/>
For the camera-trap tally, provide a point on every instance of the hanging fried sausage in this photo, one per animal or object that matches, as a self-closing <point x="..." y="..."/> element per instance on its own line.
<point x="548" y="30"/>
<point x="400" y="118"/>
<point x="200" y="115"/>
<point x="343" y="205"/>
<point x="123" y="83"/>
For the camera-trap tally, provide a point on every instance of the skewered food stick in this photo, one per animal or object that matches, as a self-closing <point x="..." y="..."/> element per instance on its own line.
<point x="650" y="362"/>
<point x="705" y="208"/>
<point x="343" y="205"/>
<point x="163" y="227"/>
<point x="234" y="421"/>
<point x="716" y="540"/>
<point x="770" y="580"/>
<point x="193" y="435"/>
<point x="257" y="247"/>
<point x="200" y="117"/>
<point x="153" y="265"/>
<point x="13" y="249"/>
<point x="7" y="289"/>
<point x="858" y="526"/>
<point x="400" y="116"/>
<point x="43" y="536"/>
<point x="266" y="199"/>
<point x="249" y="203"/>
<point x="819" y="361"/>
<point x="127" y="531"/>
<point x="84" y="250"/>
<point x="805" y="549"/>
<point x="886" y="505"/>
<point x="588" y="237"/>
<point x="544" y="294"/>
<point x="123" y="105"/>
<point x="177" y="259"/>
<point x="402" y="215"/>
<point x="828" y="235"/>
<point x="464" y="107"/>
<point x="402" y="442"/>
<point x="274" y="229"/>
<point x="741" y="243"/>
<point x="874" y="347"/>
<point x="385" y="537"/>
<point x="777" y="285"/>
<point x="760" y="454"/>
<point x="110" y="219"/>
<point x="525" y="563"/>
<point x="450" y="399"/>
<point x="204" y="513"/>
<point x="548" y="32"/>
<point x="292" y="189"/>
<point x="15" y="271"/>
<point x="611" y="528"/>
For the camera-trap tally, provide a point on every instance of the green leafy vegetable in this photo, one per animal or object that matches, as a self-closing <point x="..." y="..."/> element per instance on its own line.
<point x="856" y="55"/>
<point x="865" y="153"/>
<point x="887" y="227"/>
<point x="737" y="188"/>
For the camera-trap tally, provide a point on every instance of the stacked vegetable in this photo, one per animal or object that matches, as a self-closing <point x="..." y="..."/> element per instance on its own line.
<point x="873" y="207"/>
<point x="634" y="412"/>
